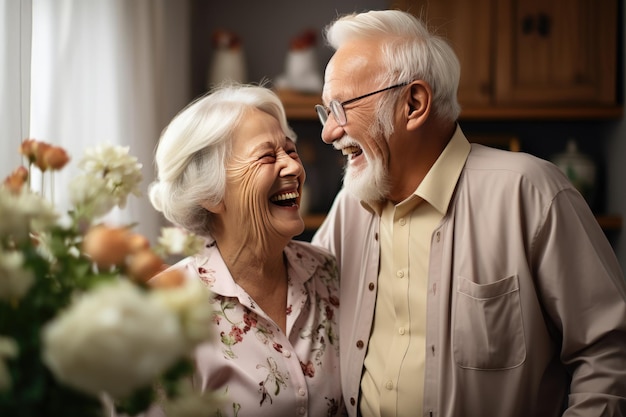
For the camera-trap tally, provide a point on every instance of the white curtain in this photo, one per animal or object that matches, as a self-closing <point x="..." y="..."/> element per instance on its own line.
<point x="102" y="73"/>
<point x="15" y="36"/>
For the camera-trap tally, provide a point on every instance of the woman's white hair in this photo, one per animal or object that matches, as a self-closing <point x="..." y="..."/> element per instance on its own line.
<point x="193" y="150"/>
<point x="409" y="52"/>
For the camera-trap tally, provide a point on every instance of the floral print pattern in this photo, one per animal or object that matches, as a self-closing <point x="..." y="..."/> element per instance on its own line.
<point x="261" y="370"/>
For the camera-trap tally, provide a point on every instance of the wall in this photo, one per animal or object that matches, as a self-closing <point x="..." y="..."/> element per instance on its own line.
<point x="266" y="29"/>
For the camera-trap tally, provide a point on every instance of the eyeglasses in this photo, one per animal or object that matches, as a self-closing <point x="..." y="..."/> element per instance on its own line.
<point x="339" y="113"/>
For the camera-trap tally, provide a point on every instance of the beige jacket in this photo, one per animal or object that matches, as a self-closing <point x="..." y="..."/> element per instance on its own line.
<point x="526" y="301"/>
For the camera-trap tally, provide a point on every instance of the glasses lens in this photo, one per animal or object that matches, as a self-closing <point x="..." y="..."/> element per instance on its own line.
<point x="340" y="115"/>
<point x="322" y="113"/>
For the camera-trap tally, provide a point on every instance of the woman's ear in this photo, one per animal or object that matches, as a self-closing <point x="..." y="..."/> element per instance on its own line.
<point x="214" y="208"/>
<point x="418" y="104"/>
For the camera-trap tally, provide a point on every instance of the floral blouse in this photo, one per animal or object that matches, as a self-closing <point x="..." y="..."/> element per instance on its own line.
<point x="258" y="369"/>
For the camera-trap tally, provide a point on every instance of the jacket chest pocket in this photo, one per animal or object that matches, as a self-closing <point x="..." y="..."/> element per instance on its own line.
<point x="488" y="330"/>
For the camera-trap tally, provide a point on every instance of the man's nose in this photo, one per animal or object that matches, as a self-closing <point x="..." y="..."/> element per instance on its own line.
<point x="331" y="131"/>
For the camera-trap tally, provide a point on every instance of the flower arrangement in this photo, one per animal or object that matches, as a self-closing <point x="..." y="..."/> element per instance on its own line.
<point x="80" y="326"/>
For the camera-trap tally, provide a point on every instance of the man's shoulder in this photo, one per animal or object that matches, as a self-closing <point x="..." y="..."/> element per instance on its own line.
<point x="510" y="166"/>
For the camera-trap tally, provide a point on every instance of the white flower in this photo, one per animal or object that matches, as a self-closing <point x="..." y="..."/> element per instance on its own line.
<point x="15" y="280"/>
<point x="191" y="403"/>
<point x="191" y="301"/>
<point x="177" y="241"/>
<point x="121" y="171"/>
<point x="24" y="212"/>
<point x="114" y="339"/>
<point x="8" y="349"/>
<point x="90" y="196"/>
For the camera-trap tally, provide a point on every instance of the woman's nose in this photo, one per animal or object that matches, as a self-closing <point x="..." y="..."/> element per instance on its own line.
<point x="290" y="166"/>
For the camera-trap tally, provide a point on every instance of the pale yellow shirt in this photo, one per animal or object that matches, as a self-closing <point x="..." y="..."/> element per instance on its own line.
<point x="393" y="374"/>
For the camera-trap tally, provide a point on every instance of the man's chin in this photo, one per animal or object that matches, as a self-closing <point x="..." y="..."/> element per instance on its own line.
<point x="363" y="187"/>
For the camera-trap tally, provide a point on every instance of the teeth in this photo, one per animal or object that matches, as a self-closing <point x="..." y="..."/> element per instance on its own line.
<point x="349" y="150"/>
<point x="285" y="196"/>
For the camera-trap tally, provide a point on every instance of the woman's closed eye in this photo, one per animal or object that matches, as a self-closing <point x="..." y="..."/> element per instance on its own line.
<point x="270" y="157"/>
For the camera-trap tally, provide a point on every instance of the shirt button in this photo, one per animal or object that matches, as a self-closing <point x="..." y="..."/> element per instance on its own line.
<point x="302" y="392"/>
<point x="401" y="330"/>
<point x="402" y="221"/>
<point x="359" y="344"/>
<point x="286" y="354"/>
<point x="438" y="236"/>
<point x="352" y="401"/>
<point x="400" y="274"/>
<point x="302" y="411"/>
<point x="375" y="236"/>
<point x="371" y="286"/>
<point x="389" y="385"/>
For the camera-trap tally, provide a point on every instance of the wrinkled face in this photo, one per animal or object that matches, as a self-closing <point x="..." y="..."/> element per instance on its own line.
<point x="264" y="180"/>
<point x="351" y="73"/>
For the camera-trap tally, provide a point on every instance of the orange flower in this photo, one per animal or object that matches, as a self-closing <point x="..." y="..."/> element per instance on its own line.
<point x="137" y="242"/>
<point x="55" y="158"/>
<point x="44" y="155"/>
<point x="28" y="148"/>
<point x="144" y="265"/>
<point x="170" y="278"/>
<point x="16" y="180"/>
<point x="106" y="246"/>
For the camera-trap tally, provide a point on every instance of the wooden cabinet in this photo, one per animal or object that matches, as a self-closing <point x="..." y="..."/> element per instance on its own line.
<point x="530" y="58"/>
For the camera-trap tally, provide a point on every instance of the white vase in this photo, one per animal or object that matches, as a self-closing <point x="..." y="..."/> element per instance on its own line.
<point x="227" y="65"/>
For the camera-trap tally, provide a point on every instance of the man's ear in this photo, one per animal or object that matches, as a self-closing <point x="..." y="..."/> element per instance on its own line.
<point x="418" y="104"/>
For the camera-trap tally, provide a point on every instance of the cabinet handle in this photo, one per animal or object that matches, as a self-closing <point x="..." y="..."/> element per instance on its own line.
<point x="544" y="24"/>
<point x="528" y="24"/>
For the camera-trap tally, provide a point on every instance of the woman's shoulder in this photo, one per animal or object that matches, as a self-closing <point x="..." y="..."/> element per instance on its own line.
<point x="316" y="261"/>
<point x="302" y="248"/>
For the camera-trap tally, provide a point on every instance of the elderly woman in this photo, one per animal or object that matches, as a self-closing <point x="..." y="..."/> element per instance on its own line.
<point x="228" y="170"/>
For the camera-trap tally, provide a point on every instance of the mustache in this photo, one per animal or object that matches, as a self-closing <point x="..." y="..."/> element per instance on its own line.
<point x="345" y="142"/>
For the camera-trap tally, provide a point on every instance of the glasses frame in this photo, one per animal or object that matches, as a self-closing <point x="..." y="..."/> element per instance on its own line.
<point x="339" y="112"/>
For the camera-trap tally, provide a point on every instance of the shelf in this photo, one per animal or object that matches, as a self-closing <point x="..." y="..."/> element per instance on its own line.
<point x="541" y="113"/>
<point x="608" y="222"/>
<point x="298" y="105"/>
<point x="302" y="107"/>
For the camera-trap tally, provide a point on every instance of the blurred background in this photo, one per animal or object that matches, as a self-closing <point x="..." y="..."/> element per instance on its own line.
<point x="536" y="75"/>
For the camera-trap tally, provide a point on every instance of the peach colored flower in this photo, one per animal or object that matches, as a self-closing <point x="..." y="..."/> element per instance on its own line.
<point x="169" y="278"/>
<point x="54" y="158"/>
<point x="106" y="246"/>
<point x="16" y="180"/>
<point x="44" y="155"/>
<point x="28" y="148"/>
<point x="143" y="265"/>
<point x="137" y="242"/>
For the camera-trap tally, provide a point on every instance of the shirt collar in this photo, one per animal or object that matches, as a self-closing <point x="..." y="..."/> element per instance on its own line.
<point x="210" y="265"/>
<point x="438" y="185"/>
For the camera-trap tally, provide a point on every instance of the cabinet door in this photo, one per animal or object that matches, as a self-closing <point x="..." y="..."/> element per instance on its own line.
<point x="556" y="52"/>
<point x="469" y="27"/>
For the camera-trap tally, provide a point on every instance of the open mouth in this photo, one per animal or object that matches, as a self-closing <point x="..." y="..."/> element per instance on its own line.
<point x="285" y="199"/>
<point x="351" y="151"/>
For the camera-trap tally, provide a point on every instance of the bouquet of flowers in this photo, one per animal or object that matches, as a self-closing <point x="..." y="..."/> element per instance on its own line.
<point x="80" y="326"/>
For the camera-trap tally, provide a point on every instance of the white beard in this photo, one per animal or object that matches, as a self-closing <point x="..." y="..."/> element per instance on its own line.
<point x="370" y="184"/>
